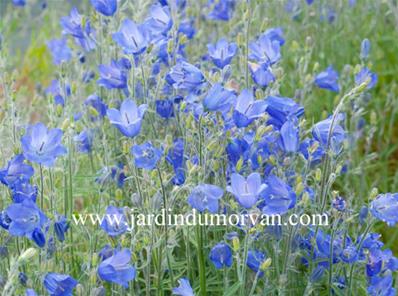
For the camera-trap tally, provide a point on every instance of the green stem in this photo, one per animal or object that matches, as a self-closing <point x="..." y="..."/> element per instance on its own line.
<point x="201" y="261"/>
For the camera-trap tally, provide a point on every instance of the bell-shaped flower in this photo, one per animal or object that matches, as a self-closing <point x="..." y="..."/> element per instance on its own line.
<point x="330" y="134"/>
<point x="131" y="37"/>
<point x="385" y="208"/>
<point x="328" y="79"/>
<point x="58" y="284"/>
<point x="219" y="99"/>
<point x="222" y="52"/>
<point x="246" y="191"/>
<point x="117" y="268"/>
<point x="114" y="222"/>
<point x="16" y="170"/>
<point x="159" y="20"/>
<point x="261" y="74"/>
<point x="184" y="76"/>
<point x="221" y="255"/>
<point x="247" y="109"/>
<point x="113" y="75"/>
<point x="205" y="197"/>
<point x="146" y="156"/>
<point x="255" y="260"/>
<point x="105" y="7"/>
<point x="278" y="197"/>
<point x="184" y="288"/>
<point x="365" y="75"/>
<point x="128" y="119"/>
<point x="41" y="145"/>
<point x="289" y="136"/>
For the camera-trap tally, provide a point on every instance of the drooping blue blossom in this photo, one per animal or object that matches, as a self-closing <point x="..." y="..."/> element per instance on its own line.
<point x="187" y="28"/>
<point x="128" y="119"/>
<point x="184" y="288"/>
<point x="61" y="226"/>
<point x="59" y="50"/>
<point x="365" y="75"/>
<point x="184" y="76"/>
<point x="159" y="20"/>
<point x="131" y="37"/>
<point x="312" y="151"/>
<point x="278" y="197"/>
<point x="205" y="197"/>
<point x="281" y="109"/>
<point x="290" y="136"/>
<point x="176" y="158"/>
<point x="105" y="7"/>
<point x="84" y="141"/>
<point x="59" y="284"/>
<point x="246" y="191"/>
<point x="22" y="189"/>
<point x="267" y="48"/>
<point x="219" y="99"/>
<point x="254" y="261"/>
<point x="328" y="79"/>
<point x="381" y="285"/>
<point x="222" y="52"/>
<point x="385" y="208"/>
<point x="223" y="10"/>
<point x="146" y="156"/>
<point x="330" y="134"/>
<point x="117" y="268"/>
<point x="19" y="3"/>
<point x="247" y="109"/>
<point x="38" y="237"/>
<point x="41" y="145"/>
<point x="16" y="170"/>
<point x="112" y="76"/>
<point x="95" y="102"/>
<point x="221" y="255"/>
<point x="261" y="74"/>
<point x="114" y="222"/>
<point x="83" y="35"/>
<point x="165" y="108"/>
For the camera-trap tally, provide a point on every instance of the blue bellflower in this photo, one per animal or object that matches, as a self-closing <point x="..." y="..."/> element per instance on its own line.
<point x="205" y="197"/>
<point x="16" y="170"/>
<point x="289" y="134"/>
<point x="330" y="138"/>
<point x="221" y="255"/>
<point x="131" y="37"/>
<point x="117" y="268"/>
<point x="84" y="141"/>
<point x="385" y="208"/>
<point x="146" y="156"/>
<point x="105" y="7"/>
<point x="219" y="99"/>
<point x="184" y="288"/>
<point x="115" y="222"/>
<point x="184" y="76"/>
<point x="22" y="190"/>
<point x="247" y="109"/>
<point x="278" y="197"/>
<point x="112" y="76"/>
<point x="261" y="74"/>
<point x="95" y="102"/>
<point x="223" y="10"/>
<point x="128" y="119"/>
<point x="59" y="284"/>
<point x="246" y="191"/>
<point x="222" y="52"/>
<point x="254" y="261"/>
<point x="267" y="48"/>
<point x="328" y="79"/>
<point x="61" y="226"/>
<point x="365" y="75"/>
<point x="59" y="50"/>
<point x="281" y="108"/>
<point x="41" y="145"/>
<point x="165" y="108"/>
<point x="176" y="158"/>
<point x="159" y="21"/>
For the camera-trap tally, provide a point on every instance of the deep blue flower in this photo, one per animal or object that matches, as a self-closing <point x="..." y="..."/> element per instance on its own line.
<point x="205" y="197"/>
<point x="58" y="284"/>
<point x="247" y="109"/>
<point x="184" y="288"/>
<point x="95" y="102"/>
<point x="312" y="151"/>
<point x="105" y="7"/>
<point x="112" y="76"/>
<point x="38" y="237"/>
<point x="381" y="285"/>
<point x="339" y="203"/>
<point x="246" y="191"/>
<point x="222" y="52"/>
<point x="159" y="21"/>
<point x="5" y="221"/>
<point x="281" y="108"/>
<point x="267" y="48"/>
<point x="290" y="136"/>
<point x="73" y="25"/>
<point x="385" y="208"/>
<point x="364" y="75"/>
<point x="254" y="261"/>
<point x="131" y="37"/>
<point x="42" y="145"/>
<point x="187" y="28"/>
<point x="84" y="141"/>
<point x="176" y="158"/>
<point x="278" y="196"/>
<point x="114" y="222"/>
<point x="328" y="137"/>
<point x="223" y="10"/>
<point x="23" y="278"/>
<point x="128" y="119"/>
<point x="117" y="268"/>
<point x="236" y="149"/>
<point x="59" y="50"/>
<point x="146" y="156"/>
<point x="261" y="74"/>
<point x="328" y="79"/>
<point x="221" y="255"/>
<point x="25" y="217"/>
<point x="184" y="76"/>
<point x="61" y="226"/>
<point x="349" y="254"/>
<point x="20" y="3"/>
<point x="164" y="108"/>
<point x="219" y="99"/>
<point x="22" y="190"/>
<point x="16" y="170"/>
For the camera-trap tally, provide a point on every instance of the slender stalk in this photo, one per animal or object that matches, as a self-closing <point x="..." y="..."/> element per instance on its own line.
<point x="244" y="265"/>
<point x="41" y="187"/>
<point x="201" y="261"/>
